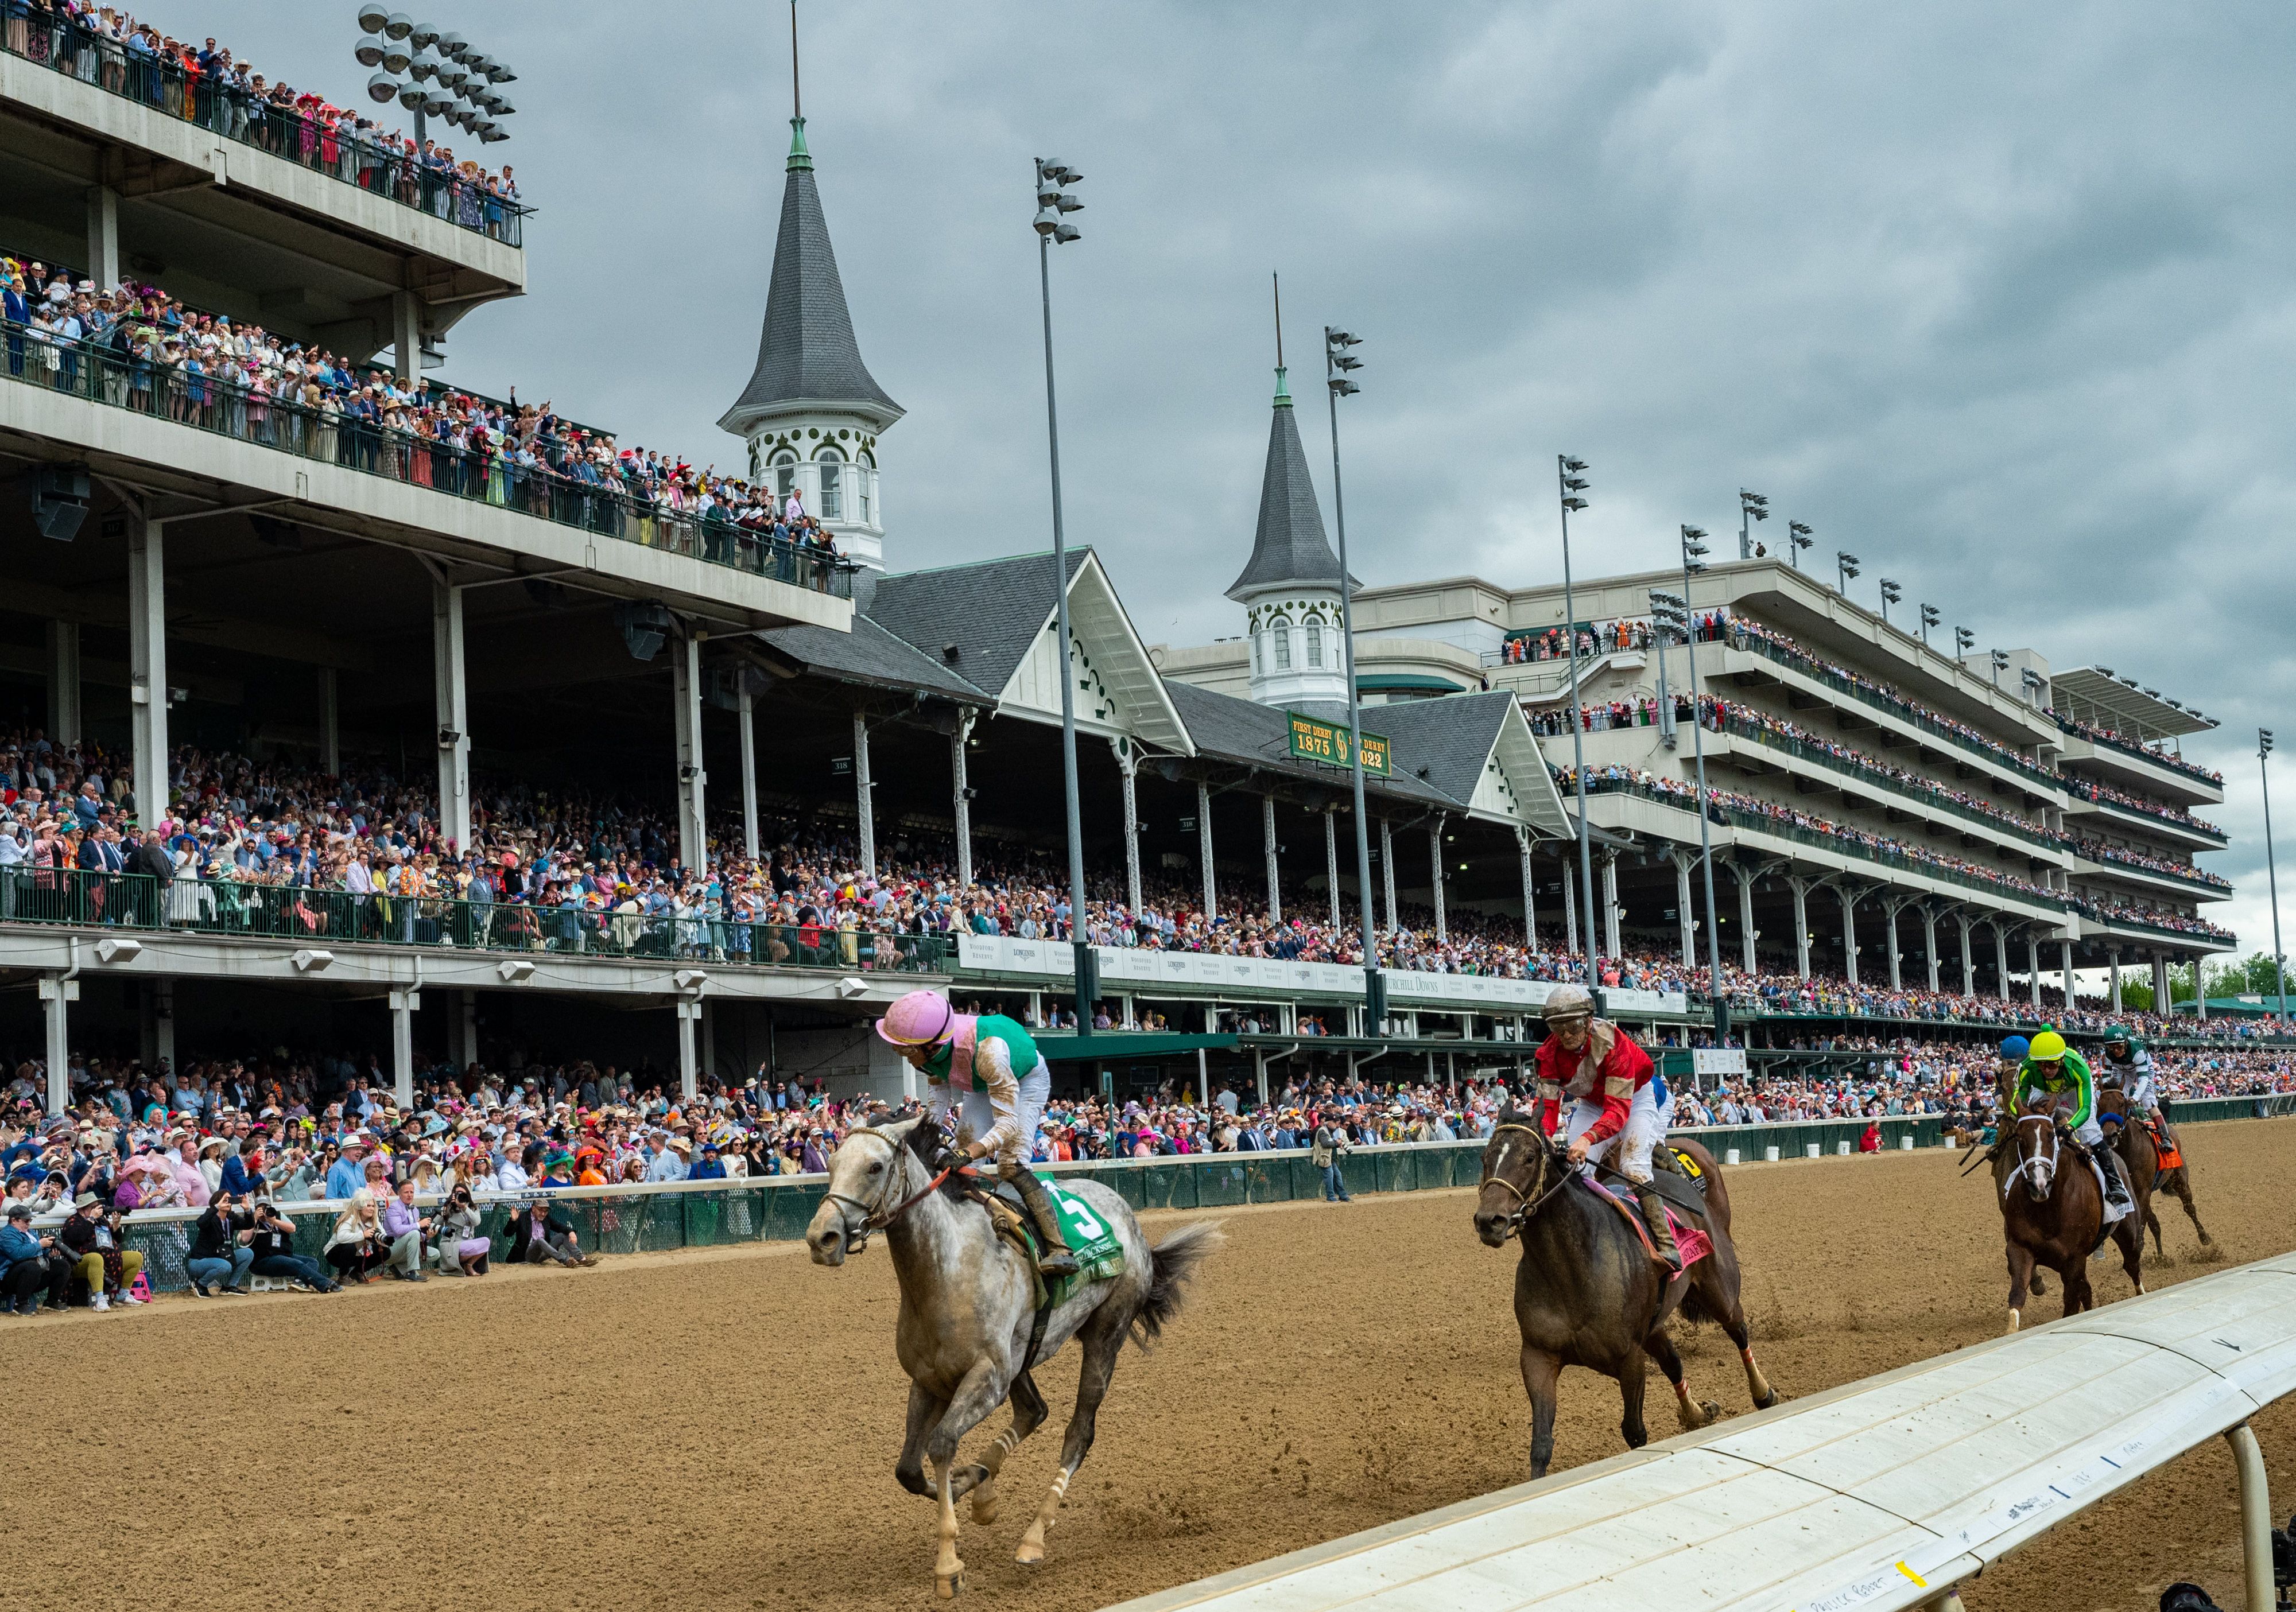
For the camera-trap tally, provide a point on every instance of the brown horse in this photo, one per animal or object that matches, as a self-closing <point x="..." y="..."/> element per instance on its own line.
<point x="1586" y="1292"/>
<point x="2052" y="1211"/>
<point x="2145" y="1175"/>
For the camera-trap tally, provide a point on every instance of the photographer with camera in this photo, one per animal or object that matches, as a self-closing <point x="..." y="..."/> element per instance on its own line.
<point x="221" y="1254"/>
<point x="30" y="1262"/>
<point x="271" y="1238"/>
<point x="462" y="1250"/>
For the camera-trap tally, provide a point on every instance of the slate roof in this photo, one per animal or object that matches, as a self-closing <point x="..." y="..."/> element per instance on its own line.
<point x="1227" y="728"/>
<point x="806" y="352"/>
<point x="1451" y="737"/>
<point x="1289" y="545"/>
<point x="871" y="655"/>
<point x="992" y="609"/>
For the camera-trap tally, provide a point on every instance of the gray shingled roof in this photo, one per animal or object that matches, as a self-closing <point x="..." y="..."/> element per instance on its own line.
<point x="806" y="352"/>
<point x="870" y="654"/>
<point x="1451" y="737"/>
<point x="1289" y="545"/>
<point x="992" y="609"/>
<point x="1227" y="728"/>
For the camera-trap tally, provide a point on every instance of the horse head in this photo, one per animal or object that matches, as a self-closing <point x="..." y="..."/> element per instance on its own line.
<point x="2112" y="1108"/>
<point x="872" y="1175"/>
<point x="1518" y="1164"/>
<point x="2036" y="1149"/>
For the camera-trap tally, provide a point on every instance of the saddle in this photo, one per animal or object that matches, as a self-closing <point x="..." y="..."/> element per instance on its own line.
<point x="1690" y="1241"/>
<point x="1683" y="1185"/>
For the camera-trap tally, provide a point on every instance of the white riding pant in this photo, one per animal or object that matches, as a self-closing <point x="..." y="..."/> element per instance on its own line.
<point x="1629" y="1152"/>
<point x="976" y="1116"/>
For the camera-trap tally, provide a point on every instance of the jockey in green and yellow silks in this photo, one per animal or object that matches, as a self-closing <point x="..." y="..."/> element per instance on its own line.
<point x="2053" y="1069"/>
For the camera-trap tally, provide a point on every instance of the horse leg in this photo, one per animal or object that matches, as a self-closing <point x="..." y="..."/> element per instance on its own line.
<point x="2184" y="1197"/>
<point x="924" y="1411"/>
<point x="2078" y="1296"/>
<point x="2130" y="1236"/>
<point x="1100" y="1340"/>
<point x="1540" y="1371"/>
<point x="1029" y="1413"/>
<point x="976" y="1396"/>
<point x="2153" y="1224"/>
<point x="1692" y="1414"/>
<point x="2022" y="1284"/>
<point x="1723" y="1302"/>
<point x="1631" y="1373"/>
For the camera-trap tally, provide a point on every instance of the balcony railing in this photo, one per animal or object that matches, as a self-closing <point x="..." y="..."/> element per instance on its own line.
<point x="1904" y="709"/>
<point x="98" y="373"/>
<point x="46" y="37"/>
<point x="1842" y="844"/>
<point x="2193" y="878"/>
<point x="2143" y="752"/>
<point x="2083" y="790"/>
<point x="2194" y="928"/>
<point x="230" y="909"/>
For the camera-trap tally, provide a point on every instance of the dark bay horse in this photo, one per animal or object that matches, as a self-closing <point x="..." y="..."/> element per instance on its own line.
<point x="2145" y="1175"/>
<point x="1586" y="1292"/>
<point x="2052" y="1211"/>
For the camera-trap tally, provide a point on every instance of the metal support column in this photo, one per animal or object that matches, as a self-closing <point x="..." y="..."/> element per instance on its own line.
<point x="2001" y="960"/>
<point x="1800" y="887"/>
<point x="1928" y="942"/>
<point x="1745" y="916"/>
<point x="685" y="697"/>
<point x="1530" y="901"/>
<point x="58" y="991"/>
<point x="961" y="795"/>
<point x="1387" y="871"/>
<point x="1682" y="861"/>
<point x="404" y="1001"/>
<point x="1435" y="867"/>
<point x="2033" y="964"/>
<point x="2160" y="1003"/>
<point x="1968" y="963"/>
<point x="2065" y="956"/>
<point x="103" y="237"/>
<point x="1848" y="931"/>
<point x="331" y="724"/>
<point x="1331" y="864"/>
<point x="1204" y="850"/>
<point x="407" y="336"/>
<point x="689" y="1072"/>
<point x="63" y="683"/>
<point x="1613" y="918"/>
<point x="147" y="666"/>
<point x="451" y="704"/>
<point x="865" y="809"/>
<point x="1569" y="907"/>
<point x="1127" y="770"/>
<point x="746" y="718"/>
<point x="2112" y="979"/>
<point x="2255" y="1517"/>
<point x="1267" y="844"/>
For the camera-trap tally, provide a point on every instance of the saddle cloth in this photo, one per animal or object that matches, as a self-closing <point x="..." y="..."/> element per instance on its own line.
<point x="1693" y="1244"/>
<point x="1099" y="1252"/>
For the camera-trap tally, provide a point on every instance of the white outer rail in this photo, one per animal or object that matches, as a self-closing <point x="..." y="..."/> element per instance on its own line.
<point x="1880" y="1494"/>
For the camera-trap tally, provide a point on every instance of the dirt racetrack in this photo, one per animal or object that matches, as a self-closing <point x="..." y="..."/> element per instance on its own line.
<point x="718" y="1429"/>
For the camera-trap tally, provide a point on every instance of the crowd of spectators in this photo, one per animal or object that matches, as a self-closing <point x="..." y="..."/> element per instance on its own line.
<point x="2112" y="736"/>
<point x="206" y="85"/>
<point x="143" y="350"/>
<point x="2088" y="788"/>
<point x="2097" y="850"/>
<point x="1594" y="638"/>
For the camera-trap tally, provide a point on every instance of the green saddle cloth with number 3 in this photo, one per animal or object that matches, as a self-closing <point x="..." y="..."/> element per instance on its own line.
<point x="1099" y="1251"/>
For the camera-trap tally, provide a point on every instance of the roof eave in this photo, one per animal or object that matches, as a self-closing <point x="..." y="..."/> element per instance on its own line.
<point x="743" y="416"/>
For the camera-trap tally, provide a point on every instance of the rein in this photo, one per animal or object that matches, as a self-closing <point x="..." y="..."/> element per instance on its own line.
<point x="1525" y="1207"/>
<point x="2025" y="1164"/>
<point x="876" y="1216"/>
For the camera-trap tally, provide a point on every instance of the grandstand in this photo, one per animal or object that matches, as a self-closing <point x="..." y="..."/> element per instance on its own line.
<point x="338" y="682"/>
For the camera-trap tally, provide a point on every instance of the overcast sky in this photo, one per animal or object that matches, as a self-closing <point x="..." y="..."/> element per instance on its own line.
<point x="1998" y="298"/>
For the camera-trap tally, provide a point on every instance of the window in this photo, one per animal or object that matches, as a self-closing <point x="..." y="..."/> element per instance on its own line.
<point x="1255" y="654"/>
<point x="833" y="488"/>
<point x="784" y="472"/>
<point x="1315" y="644"/>
<point x="1283" y="647"/>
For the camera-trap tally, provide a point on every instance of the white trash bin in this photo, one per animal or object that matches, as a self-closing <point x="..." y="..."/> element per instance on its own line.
<point x="1731" y="1158"/>
<point x="1905" y="1143"/>
<point x="1842" y="1149"/>
<point x="1769" y="1155"/>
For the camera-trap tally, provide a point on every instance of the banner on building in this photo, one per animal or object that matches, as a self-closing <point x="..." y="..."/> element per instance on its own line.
<point x="1328" y="742"/>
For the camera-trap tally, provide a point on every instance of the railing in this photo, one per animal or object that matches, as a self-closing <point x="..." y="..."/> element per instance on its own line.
<point x="2201" y="931"/>
<point x="1904" y="709"/>
<point x="2143" y="813"/>
<point x="95" y="372"/>
<point x="1745" y="729"/>
<point x="231" y="909"/>
<point x="48" y="38"/>
<point x="2143" y="752"/>
<point x="2193" y="878"/>
<point x="1758" y="822"/>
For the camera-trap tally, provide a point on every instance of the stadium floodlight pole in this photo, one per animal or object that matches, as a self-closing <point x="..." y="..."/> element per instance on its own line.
<point x="1845" y="564"/>
<point x="1930" y="619"/>
<point x="1338" y="361"/>
<point x="1053" y="202"/>
<point x="2271" y="873"/>
<point x="1669" y="619"/>
<point x="1797" y="537"/>
<point x="1751" y="507"/>
<point x="445" y="62"/>
<point x="1963" y="641"/>
<point x="1571" y="475"/>
<point x="2000" y="665"/>
<point x="1891" y="593"/>
<point x="1694" y="561"/>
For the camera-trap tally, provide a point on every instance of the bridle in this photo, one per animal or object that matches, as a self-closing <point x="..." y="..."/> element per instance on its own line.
<point x="876" y="1216"/>
<point x="2041" y="1181"/>
<point x="1525" y="1207"/>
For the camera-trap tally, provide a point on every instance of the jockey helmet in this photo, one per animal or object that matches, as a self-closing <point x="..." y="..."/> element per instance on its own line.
<point x="919" y="1020"/>
<point x="1568" y="1002"/>
<point x="2119" y="1032"/>
<point x="2048" y="1047"/>
<point x="2014" y="1047"/>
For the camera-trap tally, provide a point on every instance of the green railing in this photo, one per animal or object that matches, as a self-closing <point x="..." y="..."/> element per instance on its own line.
<point x="2195" y="881"/>
<point x="236" y="909"/>
<point x="2144" y="815"/>
<point x="1866" y="771"/>
<point x="1840" y="844"/>
<point x="2131" y="921"/>
<point x="46" y="37"/>
<point x="1904" y="709"/>
<point x="97" y="372"/>
<point x="2159" y="758"/>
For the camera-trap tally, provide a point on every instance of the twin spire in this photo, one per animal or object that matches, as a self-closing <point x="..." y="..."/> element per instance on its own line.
<point x="1289" y="544"/>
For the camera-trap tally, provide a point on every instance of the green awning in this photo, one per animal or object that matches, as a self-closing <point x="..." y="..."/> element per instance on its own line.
<point x="1126" y="1043"/>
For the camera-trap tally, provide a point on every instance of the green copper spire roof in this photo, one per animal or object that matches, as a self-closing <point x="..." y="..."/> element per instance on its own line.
<point x="799" y="157"/>
<point x="1283" y="390"/>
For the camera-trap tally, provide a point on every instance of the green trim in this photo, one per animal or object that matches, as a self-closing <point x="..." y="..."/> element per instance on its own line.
<point x="1283" y="390"/>
<point x="1403" y="681"/>
<point x="1126" y="1043"/>
<point x="799" y="159"/>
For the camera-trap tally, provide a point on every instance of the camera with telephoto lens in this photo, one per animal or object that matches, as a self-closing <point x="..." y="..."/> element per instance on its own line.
<point x="2186" y="1598"/>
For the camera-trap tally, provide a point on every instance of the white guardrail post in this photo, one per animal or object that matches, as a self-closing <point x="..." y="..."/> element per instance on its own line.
<point x="2255" y="1516"/>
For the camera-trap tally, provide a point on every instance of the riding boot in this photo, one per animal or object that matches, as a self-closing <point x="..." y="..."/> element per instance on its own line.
<point x="1661" y="1234"/>
<point x="2116" y="1184"/>
<point x="1055" y="1258"/>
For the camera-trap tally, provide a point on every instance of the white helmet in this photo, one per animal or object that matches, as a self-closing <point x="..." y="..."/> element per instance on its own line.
<point x="1568" y="1002"/>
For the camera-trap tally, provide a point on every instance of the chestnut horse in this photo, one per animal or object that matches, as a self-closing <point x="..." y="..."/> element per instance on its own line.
<point x="2052" y="1211"/>
<point x="2138" y="1152"/>
<point x="1586" y="1292"/>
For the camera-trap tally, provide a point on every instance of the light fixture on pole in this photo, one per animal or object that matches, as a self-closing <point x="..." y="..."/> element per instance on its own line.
<point x="1053" y="202"/>
<point x="1846" y="566"/>
<point x="1669" y="621"/>
<point x="1963" y="641"/>
<point x="2272" y="873"/>
<point x="1930" y="619"/>
<point x="1570" y="476"/>
<point x="1891" y="593"/>
<point x="1337" y="363"/>
<point x="1751" y="507"/>
<point x="2000" y="665"/>
<point x="424" y="70"/>
<point x="1694" y="561"/>
<point x="1798" y="536"/>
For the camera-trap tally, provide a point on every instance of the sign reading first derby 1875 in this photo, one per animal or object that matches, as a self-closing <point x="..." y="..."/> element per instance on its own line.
<point x="1324" y="741"/>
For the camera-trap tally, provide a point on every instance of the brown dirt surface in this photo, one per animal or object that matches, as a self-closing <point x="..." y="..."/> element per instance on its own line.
<point x="718" y="1429"/>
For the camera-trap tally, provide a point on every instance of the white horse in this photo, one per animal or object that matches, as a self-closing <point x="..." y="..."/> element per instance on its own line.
<point x="968" y="1308"/>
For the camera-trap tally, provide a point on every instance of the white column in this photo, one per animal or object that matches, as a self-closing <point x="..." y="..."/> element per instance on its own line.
<point x="1387" y="869"/>
<point x="1611" y="917"/>
<point x="1204" y="849"/>
<point x="403" y="1002"/>
<point x="103" y="236"/>
<point x="1929" y="941"/>
<point x="2112" y="979"/>
<point x="1569" y="906"/>
<point x="1893" y="908"/>
<point x="147" y="669"/>
<point x="1848" y="929"/>
<point x="2201" y="986"/>
<point x="1968" y="963"/>
<point x="63" y="683"/>
<point x="1435" y="866"/>
<point x="450" y="695"/>
<point x="748" y="718"/>
<point x="1530" y="900"/>
<point x="2065" y="955"/>
<point x="331" y="724"/>
<point x="2160" y="983"/>
<point x="1127" y="774"/>
<point x="407" y="338"/>
<point x="2033" y="964"/>
<point x="56" y="996"/>
<point x="709" y="1023"/>
<point x="865" y="810"/>
<point x="2001" y="960"/>
<point x="1682" y="907"/>
<point x="689" y="1013"/>
<point x="1801" y="889"/>
<point x="1267" y="842"/>
<point x="1745" y="916"/>
<point x="692" y="780"/>
<point x="961" y="794"/>
<point x="1332" y="864"/>
<point x="466" y="1028"/>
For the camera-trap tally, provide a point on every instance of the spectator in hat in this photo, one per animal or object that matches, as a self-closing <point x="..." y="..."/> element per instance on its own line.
<point x="359" y="1248"/>
<point x="30" y="1262"/>
<point x="541" y="1235"/>
<point x="221" y="1253"/>
<point x="92" y="1240"/>
<point x="348" y="1174"/>
<point x="712" y="1166"/>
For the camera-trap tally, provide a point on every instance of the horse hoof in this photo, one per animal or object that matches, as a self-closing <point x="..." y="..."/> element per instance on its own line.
<point x="1770" y="1402"/>
<point x="2013" y="1319"/>
<point x="949" y="1587"/>
<point x="1029" y="1555"/>
<point x="1713" y="1409"/>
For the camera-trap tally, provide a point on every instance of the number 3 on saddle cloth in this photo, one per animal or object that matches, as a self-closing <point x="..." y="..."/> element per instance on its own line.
<point x="1689" y="1241"/>
<point x="1099" y="1252"/>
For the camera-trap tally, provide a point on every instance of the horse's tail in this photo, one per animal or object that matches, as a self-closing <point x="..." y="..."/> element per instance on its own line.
<point x="1173" y="1262"/>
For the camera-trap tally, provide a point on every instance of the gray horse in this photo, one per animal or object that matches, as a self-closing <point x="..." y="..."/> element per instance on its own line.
<point x="967" y="1310"/>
